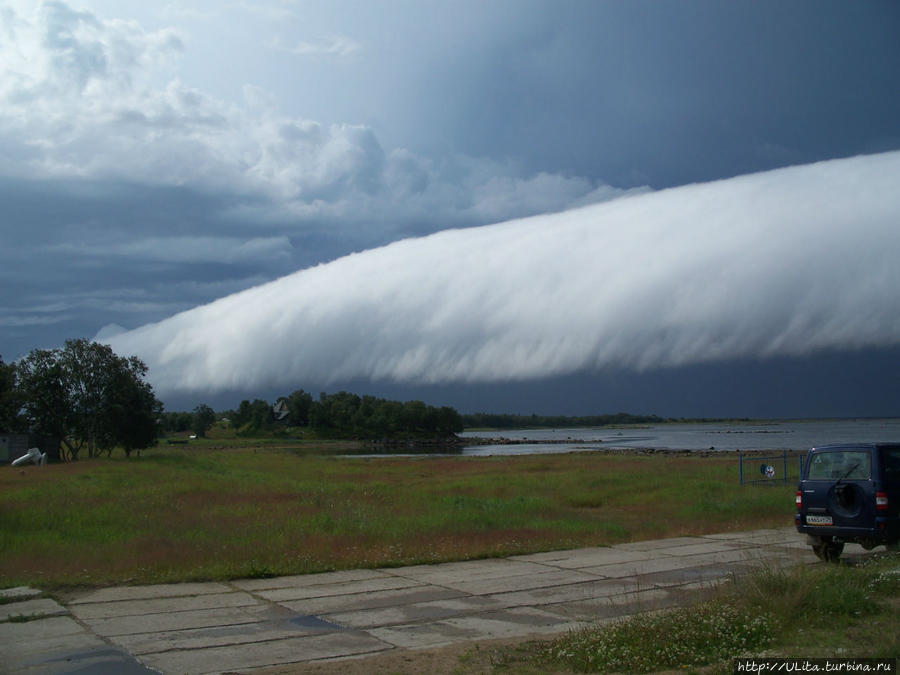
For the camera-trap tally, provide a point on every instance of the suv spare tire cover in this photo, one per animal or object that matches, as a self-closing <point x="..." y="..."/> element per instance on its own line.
<point x="845" y="500"/>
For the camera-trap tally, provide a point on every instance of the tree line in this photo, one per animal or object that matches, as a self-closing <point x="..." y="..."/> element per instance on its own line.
<point x="93" y="400"/>
<point x="340" y="415"/>
<point x="82" y="394"/>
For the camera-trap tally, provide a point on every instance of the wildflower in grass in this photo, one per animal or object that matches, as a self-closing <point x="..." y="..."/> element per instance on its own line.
<point x="684" y="637"/>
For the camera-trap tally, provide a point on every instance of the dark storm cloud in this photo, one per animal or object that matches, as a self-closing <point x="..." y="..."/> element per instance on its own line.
<point x="669" y="93"/>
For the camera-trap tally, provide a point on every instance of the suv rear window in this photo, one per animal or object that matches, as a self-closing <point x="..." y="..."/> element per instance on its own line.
<point x="891" y="459"/>
<point x="841" y="464"/>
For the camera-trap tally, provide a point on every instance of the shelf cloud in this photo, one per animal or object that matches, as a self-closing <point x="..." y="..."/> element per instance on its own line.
<point x="783" y="263"/>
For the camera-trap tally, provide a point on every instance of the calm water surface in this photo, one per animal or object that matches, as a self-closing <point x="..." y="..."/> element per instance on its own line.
<point x="781" y="435"/>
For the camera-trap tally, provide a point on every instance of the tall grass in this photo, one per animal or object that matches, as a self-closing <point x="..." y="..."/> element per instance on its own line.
<point x="815" y="611"/>
<point x="189" y="513"/>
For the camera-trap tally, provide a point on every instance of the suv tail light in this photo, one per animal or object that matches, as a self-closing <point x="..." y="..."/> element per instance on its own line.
<point x="881" y="501"/>
<point x="799" y="499"/>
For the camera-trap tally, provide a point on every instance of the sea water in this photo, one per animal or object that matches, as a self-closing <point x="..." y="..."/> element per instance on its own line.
<point x="774" y="435"/>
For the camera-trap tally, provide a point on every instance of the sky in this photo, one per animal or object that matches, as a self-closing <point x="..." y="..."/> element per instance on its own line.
<point x="681" y="209"/>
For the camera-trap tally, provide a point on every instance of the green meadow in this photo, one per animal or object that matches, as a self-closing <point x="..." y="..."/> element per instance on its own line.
<point x="207" y="513"/>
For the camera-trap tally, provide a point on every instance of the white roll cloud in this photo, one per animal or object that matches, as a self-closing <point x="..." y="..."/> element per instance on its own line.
<point x="785" y="262"/>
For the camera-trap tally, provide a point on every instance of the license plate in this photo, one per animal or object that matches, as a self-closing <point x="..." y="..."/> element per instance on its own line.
<point x="819" y="520"/>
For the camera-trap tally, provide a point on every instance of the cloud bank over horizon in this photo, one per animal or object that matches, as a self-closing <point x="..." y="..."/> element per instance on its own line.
<point x="788" y="262"/>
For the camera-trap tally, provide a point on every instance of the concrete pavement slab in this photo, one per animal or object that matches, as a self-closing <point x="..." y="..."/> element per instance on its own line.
<point x="28" y="651"/>
<point x="380" y="583"/>
<point x="573" y="592"/>
<point x="30" y="609"/>
<point x="415" y="612"/>
<point x="220" y="636"/>
<point x="701" y="548"/>
<point x="548" y="578"/>
<point x="292" y="650"/>
<point x="639" y="568"/>
<point x="586" y="557"/>
<point x="758" y="536"/>
<point x="104" y="610"/>
<point x="425" y="635"/>
<point x="35" y="637"/>
<point x="372" y="600"/>
<point x="98" y="661"/>
<point x="654" y="544"/>
<point x="18" y="593"/>
<point x="520" y="621"/>
<point x="692" y="574"/>
<point x="303" y="580"/>
<point x="121" y="593"/>
<point x="57" y="625"/>
<point x="58" y="645"/>
<point x="592" y="609"/>
<point x="790" y="545"/>
<point x="469" y="570"/>
<point x="515" y="622"/>
<point x="157" y="623"/>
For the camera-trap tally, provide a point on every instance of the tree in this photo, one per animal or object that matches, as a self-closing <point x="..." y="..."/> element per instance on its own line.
<point x="133" y="413"/>
<point x="46" y="398"/>
<point x="87" y="396"/>
<point x="177" y="421"/>
<point x="252" y="417"/>
<point x="298" y="404"/>
<point x="10" y="399"/>
<point x="204" y="417"/>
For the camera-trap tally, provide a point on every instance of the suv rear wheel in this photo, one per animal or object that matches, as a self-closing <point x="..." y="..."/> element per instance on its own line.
<point x="827" y="549"/>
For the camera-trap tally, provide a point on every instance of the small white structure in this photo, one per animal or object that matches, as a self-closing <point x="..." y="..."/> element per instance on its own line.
<point x="33" y="455"/>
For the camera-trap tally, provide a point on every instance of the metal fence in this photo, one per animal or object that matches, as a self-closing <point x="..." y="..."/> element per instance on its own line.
<point x="778" y="469"/>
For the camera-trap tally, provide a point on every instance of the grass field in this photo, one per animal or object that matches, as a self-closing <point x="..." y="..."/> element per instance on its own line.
<point x="191" y="513"/>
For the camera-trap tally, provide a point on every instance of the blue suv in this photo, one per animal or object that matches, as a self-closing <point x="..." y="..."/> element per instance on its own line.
<point x="850" y="493"/>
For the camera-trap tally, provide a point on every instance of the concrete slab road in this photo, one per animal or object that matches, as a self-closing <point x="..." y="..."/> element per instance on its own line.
<point x="254" y="623"/>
